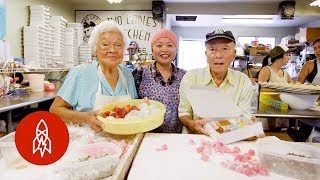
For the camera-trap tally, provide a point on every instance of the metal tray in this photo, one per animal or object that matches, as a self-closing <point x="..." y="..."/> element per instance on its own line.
<point x="291" y="89"/>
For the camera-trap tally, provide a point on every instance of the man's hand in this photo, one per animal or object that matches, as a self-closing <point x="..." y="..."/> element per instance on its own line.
<point x="254" y="119"/>
<point x="197" y="126"/>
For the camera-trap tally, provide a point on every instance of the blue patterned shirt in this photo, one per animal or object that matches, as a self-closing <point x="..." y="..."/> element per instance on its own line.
<point x="81" y="85"/>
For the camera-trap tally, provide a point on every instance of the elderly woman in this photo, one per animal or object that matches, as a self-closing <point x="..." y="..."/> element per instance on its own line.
<point x="88" y="87"/>
<point x="160" y="81"/>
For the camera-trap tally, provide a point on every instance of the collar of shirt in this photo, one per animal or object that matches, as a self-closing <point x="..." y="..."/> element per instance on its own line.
<point x="207" y="77"/>
<point x="157" y="75"/>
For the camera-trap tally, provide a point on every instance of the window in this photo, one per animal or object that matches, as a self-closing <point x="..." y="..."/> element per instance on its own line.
<point x="191" y="54"/>
<point x="261" y="40"/>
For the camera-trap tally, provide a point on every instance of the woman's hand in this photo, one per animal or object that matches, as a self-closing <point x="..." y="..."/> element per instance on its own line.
<point x="93" y="122"/>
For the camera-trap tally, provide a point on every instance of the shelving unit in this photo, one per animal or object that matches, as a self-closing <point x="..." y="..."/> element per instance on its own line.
<point x="40" y="70"/>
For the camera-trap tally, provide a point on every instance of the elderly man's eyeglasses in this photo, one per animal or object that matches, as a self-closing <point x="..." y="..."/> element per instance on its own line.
<point x="221" y="50"/>
<point x="107" y="46"/>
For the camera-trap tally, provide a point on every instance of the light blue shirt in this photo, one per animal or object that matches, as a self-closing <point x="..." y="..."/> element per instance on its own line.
<point x="81" y="85"/>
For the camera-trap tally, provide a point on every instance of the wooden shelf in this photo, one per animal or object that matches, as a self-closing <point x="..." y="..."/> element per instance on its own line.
<point x="302" y="44"/>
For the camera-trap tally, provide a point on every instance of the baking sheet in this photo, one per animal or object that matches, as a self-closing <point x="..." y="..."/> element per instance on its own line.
<point x="290" y="89"/>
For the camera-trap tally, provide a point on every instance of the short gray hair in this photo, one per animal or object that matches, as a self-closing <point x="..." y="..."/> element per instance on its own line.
<point x="105" y="26"/>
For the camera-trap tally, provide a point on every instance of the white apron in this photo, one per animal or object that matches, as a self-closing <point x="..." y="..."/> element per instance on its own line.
<point x="314" y="133"/>
<point x="316" y="79"/>
<point x="102" y="100"/>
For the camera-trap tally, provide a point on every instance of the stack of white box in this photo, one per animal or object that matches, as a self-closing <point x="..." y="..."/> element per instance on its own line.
<point x="76" y="42"/>
<point x="38" y="40"/>
<point x="78" y="27"/>
<point x="84" y="53"/>
<point x="70" y="50"/>
<point x="59" y="25"/>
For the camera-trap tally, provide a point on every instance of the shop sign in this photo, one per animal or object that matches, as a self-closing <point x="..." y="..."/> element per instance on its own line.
<point x="138" y="25"/>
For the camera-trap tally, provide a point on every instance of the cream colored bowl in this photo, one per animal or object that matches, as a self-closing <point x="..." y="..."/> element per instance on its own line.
<point x="125" y="127"/>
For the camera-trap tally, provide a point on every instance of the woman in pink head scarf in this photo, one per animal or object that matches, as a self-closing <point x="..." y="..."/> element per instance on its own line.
<point x="160" y="80"/>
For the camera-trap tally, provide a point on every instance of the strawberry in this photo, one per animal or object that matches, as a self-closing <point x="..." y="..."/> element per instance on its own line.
<point x="135" y="108"/>
<point x="105" y="114"/>
<point x="114" y="114"/>
<point x="127" y="109"/>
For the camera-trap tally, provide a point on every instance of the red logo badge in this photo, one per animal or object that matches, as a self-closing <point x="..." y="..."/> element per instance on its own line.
<point x="42" y="138"/>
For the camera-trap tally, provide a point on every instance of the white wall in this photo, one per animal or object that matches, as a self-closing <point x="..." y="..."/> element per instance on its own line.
<point x="17" y="16"/>
<point x="104" y="5"/>
<point x="312" y="24"/>
<point x="200" y="32"/>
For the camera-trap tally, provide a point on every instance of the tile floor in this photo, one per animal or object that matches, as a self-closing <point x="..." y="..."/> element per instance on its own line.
<point x="281" y="135"/>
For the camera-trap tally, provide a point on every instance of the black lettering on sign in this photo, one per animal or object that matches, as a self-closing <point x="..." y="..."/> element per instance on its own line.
<point x="142" y="50"/>
<point x="141" y="20"/>
<point x="151" y="21"/>
<point x="139" y="34"/>
<point x="117" y="19"/>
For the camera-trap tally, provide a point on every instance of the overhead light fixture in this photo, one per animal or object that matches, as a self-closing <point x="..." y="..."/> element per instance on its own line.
<point x="246" y="20"/>
<point x="114" y="1"/>
<point x="315" y="3"/>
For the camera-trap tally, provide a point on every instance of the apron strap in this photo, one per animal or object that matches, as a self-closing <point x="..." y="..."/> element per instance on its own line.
<point x="123" y="80"/>
<point x="99" y="92"/>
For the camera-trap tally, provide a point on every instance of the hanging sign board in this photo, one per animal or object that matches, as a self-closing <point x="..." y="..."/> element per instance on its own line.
<point x="138" y="25"/>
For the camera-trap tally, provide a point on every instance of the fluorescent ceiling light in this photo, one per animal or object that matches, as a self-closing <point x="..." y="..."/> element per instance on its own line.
<point x="315" y="3"/>
<point x="114" y="1"/>
<point x="246" y="20"/>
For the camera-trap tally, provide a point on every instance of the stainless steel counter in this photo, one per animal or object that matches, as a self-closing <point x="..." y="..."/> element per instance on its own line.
<point x="265" y="111"/>
<point x="9" y="103"/>
<point x="13" y="102"/>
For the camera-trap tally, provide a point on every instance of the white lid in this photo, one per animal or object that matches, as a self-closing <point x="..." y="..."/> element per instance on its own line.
<point x="211" y="103"/>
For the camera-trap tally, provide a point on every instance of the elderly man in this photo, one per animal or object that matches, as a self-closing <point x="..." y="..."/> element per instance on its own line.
<point x="220" y="52"/>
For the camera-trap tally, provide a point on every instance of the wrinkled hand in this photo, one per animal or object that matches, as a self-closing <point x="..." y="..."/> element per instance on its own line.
<point x="255" y="137"/>
<point x="254" y="119"/>
<point x="93" y="122"/>
<point x="197" y="126"/>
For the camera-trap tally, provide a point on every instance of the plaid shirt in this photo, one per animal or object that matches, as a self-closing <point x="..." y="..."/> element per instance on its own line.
<point x="150" y="84"/>
<point x="137" y="74"/>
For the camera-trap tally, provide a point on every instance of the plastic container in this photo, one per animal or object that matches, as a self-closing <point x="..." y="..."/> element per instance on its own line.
<point x="36" y="82"/>
<point x="303" y="162"/>
<point x="3" y="128"/>
<point x="10" y="153"/>
<point x="89" y="161"/>
<point x="126" y="127"/>
<point x="255" y="95"/>
<point x="237" y="134"/>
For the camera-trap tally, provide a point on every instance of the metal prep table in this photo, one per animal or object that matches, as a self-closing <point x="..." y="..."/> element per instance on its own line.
<point x="9" y="103"/>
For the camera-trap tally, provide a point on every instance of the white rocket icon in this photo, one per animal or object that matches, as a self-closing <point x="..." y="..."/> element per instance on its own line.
<point x="42" y="141"/>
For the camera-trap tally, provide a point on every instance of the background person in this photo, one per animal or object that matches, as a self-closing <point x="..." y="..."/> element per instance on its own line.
<point x="309" y="73"/>
<point x="88" y="87"/>
<point x="160" y="81"/>
<point x="272" y="71"/>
